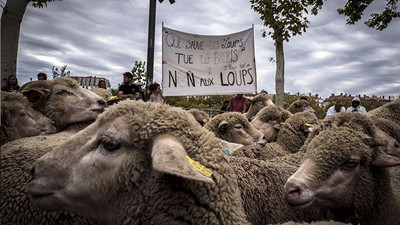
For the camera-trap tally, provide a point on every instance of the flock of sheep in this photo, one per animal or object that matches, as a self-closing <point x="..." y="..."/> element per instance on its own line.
<point x="67" y="158"/>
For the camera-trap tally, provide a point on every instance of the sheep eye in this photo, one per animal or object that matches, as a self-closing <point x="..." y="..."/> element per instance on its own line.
<point x="109" y="144"/>
<point x="22" y="114"/>
<point x="61" y="92"/>
<point x="351" y="164"/>
<point x="238" y="126"/>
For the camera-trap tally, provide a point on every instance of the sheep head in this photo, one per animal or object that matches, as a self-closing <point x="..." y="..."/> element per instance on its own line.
<point x="19" y="120"/>
<point x="269" y="121"/>
<point x="63" y="101"/>
<point x="234" y="127"/>
<point x="301" y="106"/>
<point x="136" y="155"/>
<point x="340" y="167"/>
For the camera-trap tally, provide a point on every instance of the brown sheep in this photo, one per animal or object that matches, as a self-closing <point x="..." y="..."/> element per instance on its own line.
<point x="269" y="121"/>
<point x="19" y="120"/>
<point x="301" y="106"/>
<point x="63" y="101"/>
<point x="201" y="117"/>
<point x="343" y="171"/>
<point x="257" y="103"/>
<point x="140" y="163"/>
<point x="234" y="127"/>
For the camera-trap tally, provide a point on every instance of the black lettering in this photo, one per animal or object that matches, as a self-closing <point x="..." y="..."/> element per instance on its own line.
<point x="233" y="78"/>
<point x="222" y="80"/>
<point x="251" y="76"/>
<point x="171" y="77"/>
<point x="190" y="79"/>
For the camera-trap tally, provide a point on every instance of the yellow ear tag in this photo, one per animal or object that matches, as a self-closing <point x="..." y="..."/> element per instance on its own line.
<point x="308" y="125"/>
<point x="282" y="123"/>
<point x="202" y="169"/>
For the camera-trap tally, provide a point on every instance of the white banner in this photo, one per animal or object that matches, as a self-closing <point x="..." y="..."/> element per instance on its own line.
<point x="208" y="65"/>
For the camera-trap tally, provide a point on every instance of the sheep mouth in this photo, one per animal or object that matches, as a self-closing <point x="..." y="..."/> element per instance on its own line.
<point x="36" y="196"/>
<point x="98" y="110"/>
<point x="300" y="205"/>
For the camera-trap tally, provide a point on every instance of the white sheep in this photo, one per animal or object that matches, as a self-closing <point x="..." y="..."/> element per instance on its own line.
<point x="234" y="127"/>
<point x="19" y="120"/>
<point x="260" y="183"/>
<point x="257" y="103"/>
<point x="269" y="121"/>
<point x="301" y="106"/>
<point x="63" y="101"/>
<point x="343" y="171"/>
<point x="140" y="163"/>
<point x="19" y="155"/>
<point x="201" y="117"/>
<point x="291" y="137"/>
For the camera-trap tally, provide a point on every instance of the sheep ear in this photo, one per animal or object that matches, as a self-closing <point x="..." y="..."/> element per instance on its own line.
<point x="385" y="160"/>
<point x="169" y="156"/>
<point x="270" y="102"/>
<point x="230" y="146"/>
<point x="223" y="125"/>
<point x="250" y="99"/>
<point x="306" y="127"/>
<point x="36" y="98"/>
<point x="278" y="126"/>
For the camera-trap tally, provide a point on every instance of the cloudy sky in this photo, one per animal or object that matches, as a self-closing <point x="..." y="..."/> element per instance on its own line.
<point x="105" y="38"/>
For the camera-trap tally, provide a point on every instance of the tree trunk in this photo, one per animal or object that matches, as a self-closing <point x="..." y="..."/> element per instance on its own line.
<point x="280" y="73"/>
<point x="10" y="25"/>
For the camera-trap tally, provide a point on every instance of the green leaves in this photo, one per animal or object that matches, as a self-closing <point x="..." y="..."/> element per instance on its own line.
<point x="41" y="3"/>
<point x="286" y="18"/>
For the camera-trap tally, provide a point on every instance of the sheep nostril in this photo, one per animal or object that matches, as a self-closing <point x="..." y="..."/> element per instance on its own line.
<point x="292" y="191"/>
<point x="101" y="102"/>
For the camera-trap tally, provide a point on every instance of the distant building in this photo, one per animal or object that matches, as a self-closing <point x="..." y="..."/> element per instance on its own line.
<point x="89" y="81"/>
<point x="380" y="99"/>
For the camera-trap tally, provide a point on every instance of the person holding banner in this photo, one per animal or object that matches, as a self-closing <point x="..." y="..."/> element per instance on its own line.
<point x="128" y="89"/>
<point x="238" y="103"/>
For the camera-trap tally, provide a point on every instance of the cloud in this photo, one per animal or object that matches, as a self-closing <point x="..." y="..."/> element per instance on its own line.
<point x="106" y="38"/>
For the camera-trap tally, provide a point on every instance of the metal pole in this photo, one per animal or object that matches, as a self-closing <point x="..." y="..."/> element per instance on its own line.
<point x="150" y="44"/>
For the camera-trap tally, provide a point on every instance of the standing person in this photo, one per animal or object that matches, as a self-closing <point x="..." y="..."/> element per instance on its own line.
<point x="12" y="84"/>
<point x="356" y="106"/>
<point x="337" y="108"/>
<point x="128" y="89"/>
<point x="42" y="76"/>
<point x="156" y="94"/>
<point x="238" y="103"/>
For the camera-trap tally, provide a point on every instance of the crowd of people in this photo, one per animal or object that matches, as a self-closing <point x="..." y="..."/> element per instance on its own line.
<point x="129" y="90"/>
<point x="338" y="107"/>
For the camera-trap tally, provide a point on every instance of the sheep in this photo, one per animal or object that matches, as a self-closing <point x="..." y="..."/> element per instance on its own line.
<point x="19" y="120"/>
<point x="234" y="127"/>
<point x="260" y="183"/>
<point x="103" y="93"/>
<point x="330" y="222"/>
<point x="291" y="138"/>
<point x="390" y="111"/>
<point x="343" y="171"/>
<point x="358" y="122"/>
<point x="140" y="163"/>
<point x="269" y="120"/>
<point x="17" y="158"/>
<point x="300" y="106"/>
<point x="387" y="118"/>
<point x="63" y="101"/>
<point x="201" y="117"/>
<point x="257" y="103"/>
<point x="47" y="96"/>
